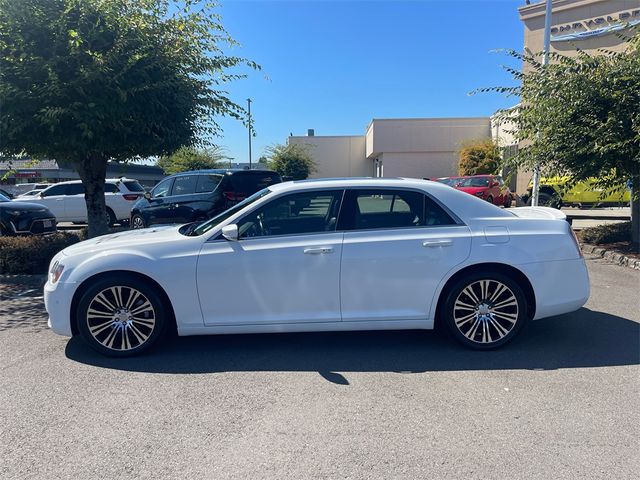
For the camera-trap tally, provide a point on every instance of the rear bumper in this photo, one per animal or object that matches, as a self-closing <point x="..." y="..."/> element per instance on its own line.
<point x="560" y="286"/>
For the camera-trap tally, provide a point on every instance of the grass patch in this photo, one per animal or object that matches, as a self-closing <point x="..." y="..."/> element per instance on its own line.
<point x="611" y="233"/>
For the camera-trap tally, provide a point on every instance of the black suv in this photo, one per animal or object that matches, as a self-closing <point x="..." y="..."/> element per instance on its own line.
<point x="199" y="195"/>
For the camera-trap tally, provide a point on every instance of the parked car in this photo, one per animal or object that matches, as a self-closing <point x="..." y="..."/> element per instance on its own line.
<point x="25" y="218"/>
<point x="198" y="195"/>
<point x="556" y="192"/>
<point x="342" y="254"/>
<point x="30" y="193"/>
<point x="66" y="199"/>
<point x="21" y="188"/>
<point x="451" y="181"/>
<point x="487" y="187"/>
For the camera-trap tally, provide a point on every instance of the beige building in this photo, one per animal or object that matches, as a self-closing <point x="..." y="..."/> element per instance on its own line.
<point x="399" y="147"/>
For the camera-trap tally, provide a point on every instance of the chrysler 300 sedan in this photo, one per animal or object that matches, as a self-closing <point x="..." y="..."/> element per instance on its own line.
<point x="320" y="255"/>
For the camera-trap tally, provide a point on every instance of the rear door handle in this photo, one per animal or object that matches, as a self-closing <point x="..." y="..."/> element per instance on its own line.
<point x="318" y="250"/>
<point x="437" y="243"/>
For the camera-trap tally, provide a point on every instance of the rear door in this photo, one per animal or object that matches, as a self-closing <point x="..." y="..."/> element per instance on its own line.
<point x="398" y="245"/>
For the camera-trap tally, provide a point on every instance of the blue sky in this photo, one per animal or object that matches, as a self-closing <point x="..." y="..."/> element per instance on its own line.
<point x="335" y="65"/>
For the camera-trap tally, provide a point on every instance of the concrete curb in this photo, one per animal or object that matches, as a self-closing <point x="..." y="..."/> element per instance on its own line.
<point x="611" y="256"/>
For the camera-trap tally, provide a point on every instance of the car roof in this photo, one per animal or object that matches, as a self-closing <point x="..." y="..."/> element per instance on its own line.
<point x="226" y="171"/>
<point x="107" y="180"/>
<point x="357" y="182"/>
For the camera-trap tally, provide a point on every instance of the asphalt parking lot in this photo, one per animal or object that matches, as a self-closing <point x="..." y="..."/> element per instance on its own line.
<point x="562" y="401"/>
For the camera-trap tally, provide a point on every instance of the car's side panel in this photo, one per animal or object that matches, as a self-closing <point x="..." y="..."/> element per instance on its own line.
<point x="392" y="274"/>
<point x="282" y="279"/>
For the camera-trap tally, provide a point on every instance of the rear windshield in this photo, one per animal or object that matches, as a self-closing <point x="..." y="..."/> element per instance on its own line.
<point x="474" y="182"/>
<point x="251" y="182"/>
<point x="133" y="186"/>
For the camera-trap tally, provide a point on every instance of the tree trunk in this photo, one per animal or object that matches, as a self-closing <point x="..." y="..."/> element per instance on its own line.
<point x="635" y="213"/>
<point x="93" y="171"/>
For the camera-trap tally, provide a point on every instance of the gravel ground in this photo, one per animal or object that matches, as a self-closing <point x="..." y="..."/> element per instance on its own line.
<point x="562" y="401"/>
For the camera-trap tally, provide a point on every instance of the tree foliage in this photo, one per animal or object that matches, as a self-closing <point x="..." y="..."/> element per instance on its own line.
<point x="188" y="158"/>
<point x="87" y="81"/>
<point x="293" y="160"/>
<point x="479" y="157"/>
<point x="580" y="117"/>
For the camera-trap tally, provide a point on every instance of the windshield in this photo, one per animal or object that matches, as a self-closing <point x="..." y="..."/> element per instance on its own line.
<point x="474" y="182"/>
<point x="448" y="180"/>
<point x="209" y="224"/>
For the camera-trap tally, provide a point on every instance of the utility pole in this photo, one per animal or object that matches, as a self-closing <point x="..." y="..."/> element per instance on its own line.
<point x="250" y="129"/>
<point x="535" y="191"/>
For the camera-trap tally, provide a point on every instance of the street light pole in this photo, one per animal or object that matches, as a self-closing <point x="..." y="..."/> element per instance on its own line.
<point x="535" y="191"/>
<point x="249" y="110"/>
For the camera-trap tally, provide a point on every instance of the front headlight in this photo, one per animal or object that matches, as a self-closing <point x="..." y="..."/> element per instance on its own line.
<point x="55" y="272"/>
<point x="480" y="194"/>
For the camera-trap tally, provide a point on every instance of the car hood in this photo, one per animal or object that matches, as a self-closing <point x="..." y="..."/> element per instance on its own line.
<point x="130" y="239"/>
<point x="23" y="206"/>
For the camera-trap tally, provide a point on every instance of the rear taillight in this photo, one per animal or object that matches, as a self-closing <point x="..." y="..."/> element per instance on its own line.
<point x="576" y="241"/>
<point x="234" y="196"/>
<point x="130" y="197"/>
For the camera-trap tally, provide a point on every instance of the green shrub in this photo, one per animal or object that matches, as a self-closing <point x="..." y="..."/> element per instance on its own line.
<point x="479" y="157"/>
<point x="30" y="255"/>
<point x="611" y="233"/>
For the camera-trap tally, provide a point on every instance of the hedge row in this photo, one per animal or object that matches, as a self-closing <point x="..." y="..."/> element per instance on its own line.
<point x="610" y="233"/>
<point x="32" y="254"/>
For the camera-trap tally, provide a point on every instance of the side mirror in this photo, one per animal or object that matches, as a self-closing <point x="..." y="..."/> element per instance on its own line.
<point x="147" y="195"/>
<point x="230" y="232"/>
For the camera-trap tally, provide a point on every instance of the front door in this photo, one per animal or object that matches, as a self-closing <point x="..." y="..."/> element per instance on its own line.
<point x="398" y="245"/>
<point x="285" y="268"/>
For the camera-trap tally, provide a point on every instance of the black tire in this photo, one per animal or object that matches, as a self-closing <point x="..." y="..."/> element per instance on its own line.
<point x="490" y="199"/>
<point x="507" y="202"/>
<point x="547" y="200"/>
<point x="494" y="326"/>
<point x="137" y="221"/>
<point x="111" y="217"/>
<point x="111" y="326"/>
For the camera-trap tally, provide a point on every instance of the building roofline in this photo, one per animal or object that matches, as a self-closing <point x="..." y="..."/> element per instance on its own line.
<point x="538" y="9"/>
<point x="325" y="136"/>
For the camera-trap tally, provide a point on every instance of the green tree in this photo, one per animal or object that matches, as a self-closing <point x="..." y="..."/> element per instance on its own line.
<point x="293" y="160"/>
<point x="188" y="158"/>
<point x="87" y="81"/>
<point x="580" y="117"/>
<point x="479" y="157"/>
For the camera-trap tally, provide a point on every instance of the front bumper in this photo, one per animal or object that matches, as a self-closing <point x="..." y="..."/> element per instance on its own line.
<point x="57" y="302"/>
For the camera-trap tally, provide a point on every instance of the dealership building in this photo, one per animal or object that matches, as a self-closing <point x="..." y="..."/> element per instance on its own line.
<point x="428" y="147"/>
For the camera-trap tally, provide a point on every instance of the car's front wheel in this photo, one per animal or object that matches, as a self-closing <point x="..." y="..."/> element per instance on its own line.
<point x="120" y="317"/>
<point x="485" y="310"/>
<point x="137" y="221"/>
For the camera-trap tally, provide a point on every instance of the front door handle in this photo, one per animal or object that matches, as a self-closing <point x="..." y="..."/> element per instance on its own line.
<point x="318" y="250"/>
<point x="437" y="243"/>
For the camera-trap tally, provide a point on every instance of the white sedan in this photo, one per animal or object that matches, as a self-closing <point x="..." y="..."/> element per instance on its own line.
<point x="344" y="254"/>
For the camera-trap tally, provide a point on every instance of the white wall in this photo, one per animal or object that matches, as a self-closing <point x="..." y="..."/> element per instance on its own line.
<point x="340" y="156"/>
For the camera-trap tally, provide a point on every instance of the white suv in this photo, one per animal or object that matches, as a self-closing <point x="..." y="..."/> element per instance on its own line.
<point x="66" y="199"/>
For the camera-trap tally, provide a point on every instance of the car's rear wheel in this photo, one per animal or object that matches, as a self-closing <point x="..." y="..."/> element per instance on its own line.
<point x="111" y="217"/>
<point x="137" y="221"/>
<point x="119" y="317"/>
<point x="485" y="310"/>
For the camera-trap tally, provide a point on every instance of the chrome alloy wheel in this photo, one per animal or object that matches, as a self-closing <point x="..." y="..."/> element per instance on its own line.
<point x="121" y="318"/>
<point x="137" y="222"/>
<point x="486" y="311"/>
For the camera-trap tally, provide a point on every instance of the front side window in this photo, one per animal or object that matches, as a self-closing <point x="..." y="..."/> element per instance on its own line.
<point x="385" y="209"/>
<point x="184" y="185"/>
<point x="55" y="190"/>
<point x="295" y="214"/>
<point x="162" y="189"/>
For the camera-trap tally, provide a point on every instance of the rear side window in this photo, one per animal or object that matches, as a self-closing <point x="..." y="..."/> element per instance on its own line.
<point x="208" y="183"/>
<point x="251" y="182"/>
<point x="134" y="186"/>
<point x="184" y="185"/>
<point x="111" y="188"/>
<point x="384" y="209"/>
<point x="76" y="189"/>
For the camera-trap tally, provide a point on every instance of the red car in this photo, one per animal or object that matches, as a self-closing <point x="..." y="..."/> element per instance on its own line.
<point x="487" y="187"/>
